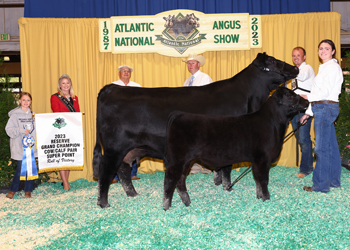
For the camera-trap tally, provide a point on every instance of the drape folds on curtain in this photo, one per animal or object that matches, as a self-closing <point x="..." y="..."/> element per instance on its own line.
<point x="51" y="47"/>
<point x="108" y="8"/>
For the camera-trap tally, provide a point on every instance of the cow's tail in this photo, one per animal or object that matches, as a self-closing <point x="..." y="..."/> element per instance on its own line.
<point x="96" y="160"/>
<point x="171" y="118"/>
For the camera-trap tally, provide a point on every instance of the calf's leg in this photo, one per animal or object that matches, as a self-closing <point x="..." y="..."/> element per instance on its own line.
<point x="173" y="174"/>
<point x="218" y="177"/>
<point x="261" y="177"/>
<point x="181" y="186"/>
<point x="226" y="177"/>
<point x="169" y="188"/>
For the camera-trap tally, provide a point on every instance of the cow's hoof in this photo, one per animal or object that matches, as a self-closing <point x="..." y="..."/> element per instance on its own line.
<point x="217" y="179"/>
<point x="265" y="199"/>
<point x="132" y="194"/>
<point x="187" y="204"/>
<point x="229" y="189"/>
<point x="103" y="205"/>
<point x="166" y="205"/>
<point x="217" y="183"/>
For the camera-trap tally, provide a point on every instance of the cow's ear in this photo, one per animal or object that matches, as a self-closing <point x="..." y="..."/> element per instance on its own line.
<point x="260" y="61"/>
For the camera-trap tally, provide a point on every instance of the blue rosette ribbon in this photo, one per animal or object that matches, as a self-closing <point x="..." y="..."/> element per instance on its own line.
<point x="29" y="170"/>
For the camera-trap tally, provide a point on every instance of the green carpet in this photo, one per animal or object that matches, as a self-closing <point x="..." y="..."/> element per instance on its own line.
<point x="216" y="219"/>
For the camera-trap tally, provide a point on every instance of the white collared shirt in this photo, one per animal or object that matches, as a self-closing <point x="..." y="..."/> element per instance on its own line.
<point x="305" y="78"/>
<point x="130" y="84"/>
<point x="200" y="79"/>
<point x="327" y="84"/>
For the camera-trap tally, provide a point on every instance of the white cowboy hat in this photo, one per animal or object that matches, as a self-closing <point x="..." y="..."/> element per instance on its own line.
<point x="195" y="57"/>
<point x="125" y="66"/>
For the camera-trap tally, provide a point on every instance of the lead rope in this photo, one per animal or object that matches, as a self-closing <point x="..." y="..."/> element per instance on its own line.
<point x="297" y="137"/>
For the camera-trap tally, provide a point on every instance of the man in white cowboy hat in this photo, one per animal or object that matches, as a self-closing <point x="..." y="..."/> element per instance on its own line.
<point x="124" y="75"/>
<point x="197" y="78"/>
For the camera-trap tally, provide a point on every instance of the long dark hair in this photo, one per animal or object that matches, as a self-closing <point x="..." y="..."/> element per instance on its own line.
<point x="331" y="43"/>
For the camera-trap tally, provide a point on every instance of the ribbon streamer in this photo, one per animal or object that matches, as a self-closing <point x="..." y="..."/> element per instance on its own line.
<point x="29" y="170"/>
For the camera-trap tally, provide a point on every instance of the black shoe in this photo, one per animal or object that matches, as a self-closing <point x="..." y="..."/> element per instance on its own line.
<point x="306" y="188"/>
<point x="346" y="164"/>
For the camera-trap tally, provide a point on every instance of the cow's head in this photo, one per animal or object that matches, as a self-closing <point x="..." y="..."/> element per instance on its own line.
<point x="290" y="102"/>
<point x="278" y="71"/>
<point x="169" y="21"/>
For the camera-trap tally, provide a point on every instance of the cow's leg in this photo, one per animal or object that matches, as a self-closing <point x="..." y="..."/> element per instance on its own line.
<point x="172" y="175"/>
<point x="223" y="176"/>
<point x="108" y="166"/>
<point x="218" y="177"/>
<point x="124" y="174"/>
<point x="261" y="176"/>
<point x="96" y="160"/>
<point x="226" y="177"/>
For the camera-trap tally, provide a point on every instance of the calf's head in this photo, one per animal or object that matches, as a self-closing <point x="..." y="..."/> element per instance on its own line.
<point x="290" y="102"/>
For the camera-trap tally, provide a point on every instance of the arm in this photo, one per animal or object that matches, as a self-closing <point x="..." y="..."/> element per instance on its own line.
<point x="304" y="119"/>
<point x="55" y="103"/>
<point x="76" y="104"/>
<point x="305" y="73"/>
<point x="12" y="129"/>
<point x="308" y="112"/>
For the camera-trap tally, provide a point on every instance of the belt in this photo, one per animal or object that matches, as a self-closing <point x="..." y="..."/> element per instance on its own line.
<point x="323" y="102"/>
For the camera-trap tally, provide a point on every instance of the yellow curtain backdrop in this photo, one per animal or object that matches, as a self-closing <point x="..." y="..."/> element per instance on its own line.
<point x="51" y="47"/>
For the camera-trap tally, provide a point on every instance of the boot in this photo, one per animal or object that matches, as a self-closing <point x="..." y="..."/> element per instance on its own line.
<point x="27" y="195"/>
<point x="10" y="194"/>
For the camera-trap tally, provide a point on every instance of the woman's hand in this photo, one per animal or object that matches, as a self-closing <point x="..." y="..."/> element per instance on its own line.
<point x="304" y="119"/>
<point x="304" y="96"/>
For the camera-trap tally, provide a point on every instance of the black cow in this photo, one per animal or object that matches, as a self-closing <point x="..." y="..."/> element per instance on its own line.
<point x="217" y="141"/>
<point x="131" y="122"/>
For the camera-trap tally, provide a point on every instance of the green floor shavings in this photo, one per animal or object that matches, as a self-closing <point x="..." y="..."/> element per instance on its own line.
<point x="216" y="219"/>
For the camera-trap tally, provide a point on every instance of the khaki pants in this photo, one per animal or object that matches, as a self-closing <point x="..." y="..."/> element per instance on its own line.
<point x="196" y="168"/>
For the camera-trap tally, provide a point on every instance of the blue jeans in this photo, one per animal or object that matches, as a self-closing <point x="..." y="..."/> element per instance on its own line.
<point x="306" y="163"/>
<point x="133" y="171"/>
<point x="328" y="163"/>
<point x="28" y="187"/>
